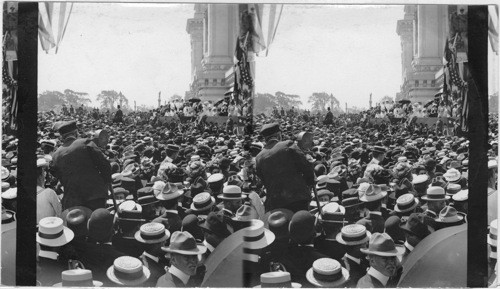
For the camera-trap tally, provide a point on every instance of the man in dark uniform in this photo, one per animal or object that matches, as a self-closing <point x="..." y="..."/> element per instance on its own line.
<point x="328" y="117"/>
<point x="82" y="169"/>
<point x="284" y="171"/>
<point x="118" y="115"/>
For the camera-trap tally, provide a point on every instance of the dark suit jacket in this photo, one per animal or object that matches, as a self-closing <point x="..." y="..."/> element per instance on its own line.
<point x="157" y="269"/>
<point x="356" y="271"/>
<point x="298" y="259"/>
<point x="330" y="248"/>
<point x="50" y="271"/>
<point x="368" y="281"/>
<point x="83" y="171"/>
<point x="285" y="173"/>
<point x="98" y="258"/>
<point x="377" y="222"/>
<point x="170" y="281"/>
<point x="429" y="219"/>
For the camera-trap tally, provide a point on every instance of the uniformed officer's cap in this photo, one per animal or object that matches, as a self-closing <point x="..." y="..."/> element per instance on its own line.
<point x="65" y="127"/>
<point x="269" y="129"/>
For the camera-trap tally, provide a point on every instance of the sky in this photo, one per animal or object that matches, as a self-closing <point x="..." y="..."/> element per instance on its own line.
<point x="141" y="49"/>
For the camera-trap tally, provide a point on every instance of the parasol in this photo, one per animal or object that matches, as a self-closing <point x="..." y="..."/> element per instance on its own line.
<point x="225" y="265"/>
<point x="445" y="249"/>
<point x="403" y="101"/>
<point x="194" y="100"/>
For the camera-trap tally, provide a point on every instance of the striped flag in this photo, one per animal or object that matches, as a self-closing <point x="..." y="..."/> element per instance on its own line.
<point x="266" y="20"/>
<point x="53" y="19"/>
<point x="493" y="27"/>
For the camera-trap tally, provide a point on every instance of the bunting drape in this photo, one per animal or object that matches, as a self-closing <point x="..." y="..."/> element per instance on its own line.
<point x="53" y="19"/>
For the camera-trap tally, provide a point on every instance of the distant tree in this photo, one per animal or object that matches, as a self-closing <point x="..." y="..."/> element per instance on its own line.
<point x="287" y="100"/>
<point x="108" y="98"/>
<point x="75" y="98"/>
<point x="321" y="100"/>
<point x="122" y="100"/>
<point x="50" y="100"/>
<point x="263" y="103"/>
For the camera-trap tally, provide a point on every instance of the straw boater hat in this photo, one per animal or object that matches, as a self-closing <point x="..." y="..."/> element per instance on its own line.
<point x="493" y="238"/>
<point x="184" y="243"/>
<point x="169" y="192"/>
<point x="381" y="244"/>
<point x="77" y="278"/>
<point x="406" y="203"/>
<point x="152" y="233"/>
<point x="354" y="234"/>
<point x="277" y="279"/>
<point x="321" y="182"/>
<point x="452" y="189"/>
<point x="332" y="213"/>
<point x="327" y="272"/>
<point x="435" y="193"/>
<point x="231" y="192"/>
<point x="128" y="271"/>
<point x="461" y="196"/>
<point x="452" y="175"/>
<point x="373" y="193"/>
<point x="202" y="201"/>
<point x="256" y="237"/>
<point x="52" y="232"/>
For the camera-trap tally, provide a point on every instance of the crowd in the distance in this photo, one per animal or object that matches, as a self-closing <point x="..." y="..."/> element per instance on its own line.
<point x="180" y="190"/>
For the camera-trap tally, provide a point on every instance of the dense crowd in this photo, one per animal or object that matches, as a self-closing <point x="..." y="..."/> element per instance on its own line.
<point x="336" y="204"/>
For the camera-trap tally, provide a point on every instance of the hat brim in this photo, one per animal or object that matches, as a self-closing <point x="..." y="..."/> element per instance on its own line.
<point x="139" y="238"/>
<point x="382" y="195"/>
<point x="392" y="253"/>
<point x="396" y="208"/>
<point x="319" y="283"/>
<point x="94" y="284"/>
<point x="62" y="240"/>
<point x="294" y="285"/>
<point x="425" y="198"/>
<point x="268" y="238"/>
<point x="198" y="251"/>
<point x="353" y="243"/>
<point x="491" y="242"/>
<point x="145" y="276"/>
<point x="212" y="202"/>
<point x="172" y="196"/>
<point x="458" y="218"/>
<point x="230" y="198"/>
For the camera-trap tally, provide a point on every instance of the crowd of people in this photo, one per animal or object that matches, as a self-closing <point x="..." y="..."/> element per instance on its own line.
<point x="342" y="204"/>
<point x="439" y="107"/>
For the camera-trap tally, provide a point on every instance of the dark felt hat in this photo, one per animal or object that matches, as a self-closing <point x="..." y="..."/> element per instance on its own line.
<point x="100" y="225"/>
<point x="190" y="224"/>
